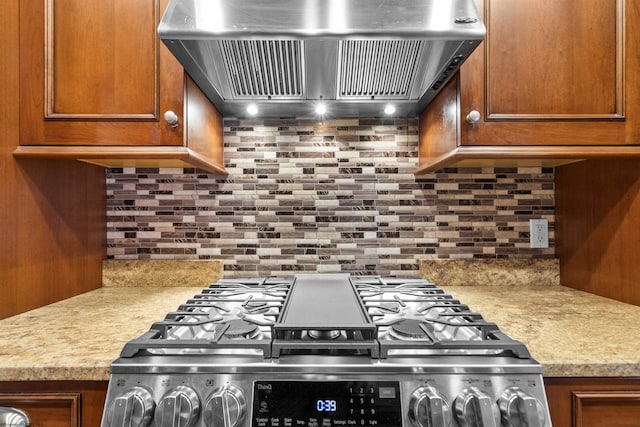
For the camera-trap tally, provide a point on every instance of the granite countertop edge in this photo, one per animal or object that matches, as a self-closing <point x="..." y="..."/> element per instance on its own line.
<point x="100" y="371"/>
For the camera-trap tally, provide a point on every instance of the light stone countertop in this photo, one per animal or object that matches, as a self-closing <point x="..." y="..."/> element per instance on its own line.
<point x="492" y="271"/>
<point x="571" y="333"/>
<point x="162" y="273"/>
<point x="78" y="338"/>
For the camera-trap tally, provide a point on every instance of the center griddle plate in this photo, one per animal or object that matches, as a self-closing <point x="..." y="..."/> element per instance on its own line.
<point x="323" y="302"/>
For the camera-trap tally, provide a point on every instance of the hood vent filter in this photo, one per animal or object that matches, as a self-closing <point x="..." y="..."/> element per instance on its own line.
<point x="390" y="76"/>
<point x="264" y="68"/>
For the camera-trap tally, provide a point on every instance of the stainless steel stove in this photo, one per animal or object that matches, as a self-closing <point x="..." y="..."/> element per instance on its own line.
<point x="325" y="350"/>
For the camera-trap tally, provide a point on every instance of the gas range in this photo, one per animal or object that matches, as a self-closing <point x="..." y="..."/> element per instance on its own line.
<point x="325" y="350"/>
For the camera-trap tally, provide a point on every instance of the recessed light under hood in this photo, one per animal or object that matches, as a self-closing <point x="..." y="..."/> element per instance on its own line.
<point x="354" y="56"/>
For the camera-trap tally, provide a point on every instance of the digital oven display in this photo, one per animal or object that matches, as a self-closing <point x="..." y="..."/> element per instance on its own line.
<point x="326" y="404"/>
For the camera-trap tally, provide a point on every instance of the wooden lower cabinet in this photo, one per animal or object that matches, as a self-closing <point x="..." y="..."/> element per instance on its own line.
<point x="56" y="403"/>
<point x="594" y="402"/>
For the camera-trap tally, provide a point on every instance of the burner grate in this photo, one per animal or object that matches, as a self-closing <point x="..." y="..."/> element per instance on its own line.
<point x="415" y="317"/>
<point x="327" y="314"/>
<point x="231" y="316"/>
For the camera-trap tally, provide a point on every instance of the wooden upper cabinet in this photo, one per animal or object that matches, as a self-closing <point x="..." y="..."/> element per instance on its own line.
<point x="553" y="82"/>
<point x="96" y="82"/>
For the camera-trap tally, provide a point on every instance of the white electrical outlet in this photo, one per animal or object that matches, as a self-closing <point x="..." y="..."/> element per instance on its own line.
<point x="539" y="233"/>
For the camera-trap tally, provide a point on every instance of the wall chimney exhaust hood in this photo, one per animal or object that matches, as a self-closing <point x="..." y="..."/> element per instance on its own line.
<point x="355" y="58"/>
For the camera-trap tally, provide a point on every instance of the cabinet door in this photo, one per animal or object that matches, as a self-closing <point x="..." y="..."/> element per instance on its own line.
<point x="606" y="409"/>
<point x="46" y="409"/>
<point x="95" y="73"/>
<point x="594" y="402"/>
<point x="552" y="72"/>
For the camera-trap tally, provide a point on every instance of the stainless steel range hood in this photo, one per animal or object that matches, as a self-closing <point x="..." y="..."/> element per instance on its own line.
<point x="355" y="57"/>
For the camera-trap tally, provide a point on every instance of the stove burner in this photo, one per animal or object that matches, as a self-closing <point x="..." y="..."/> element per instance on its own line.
<point x="256" y="307"/>
<point x="388" y="307"/>
<point x="411" y="329"/>
<point x="318" y="334"/>
<point x="238" y="328"/>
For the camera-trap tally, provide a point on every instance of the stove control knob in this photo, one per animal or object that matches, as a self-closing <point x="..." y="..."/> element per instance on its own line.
<point x="475" y="408"/>
<point x="178" y="408"/>
<point x="429" y="408"/>
<point x="132" y="409"/>
<point x="225" y="408"/>
<point x="520" y="409"/>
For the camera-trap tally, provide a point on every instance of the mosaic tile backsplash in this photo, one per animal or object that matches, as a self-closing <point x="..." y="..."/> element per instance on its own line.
<point x="332" y="196"/>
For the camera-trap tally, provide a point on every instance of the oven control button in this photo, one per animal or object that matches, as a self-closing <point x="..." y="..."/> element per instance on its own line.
<point x="475" y="408"/>
<point x="178" y="408"/>
<point x="429" y="408"/>
<point x="132" y="409"/>
<point x="520" y="409"/>
<point x="225" y="408"/>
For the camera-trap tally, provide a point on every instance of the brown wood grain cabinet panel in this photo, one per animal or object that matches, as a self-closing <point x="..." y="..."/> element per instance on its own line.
<point x="440" y="128"/>
<point x="52" y="213"/>
<point x="53" y="232"/>
<point x="594" y="402"/>
<point x="57" y="403"/>
<point x="46" y="409"/>
<point x="87" y="48"/>
<point x="598" y="227"/>
<point x="606" y="408"/>
<point x="554" y="59"/>
<point x="204" y="125"/>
